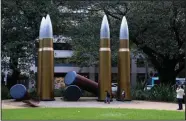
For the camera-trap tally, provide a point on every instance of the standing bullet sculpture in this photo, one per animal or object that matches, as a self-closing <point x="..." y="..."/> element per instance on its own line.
<point x="39" y="75"/>
<point x="104" y="82"/>
<point x="124" y="62"/>
<point x="46" y="61"/>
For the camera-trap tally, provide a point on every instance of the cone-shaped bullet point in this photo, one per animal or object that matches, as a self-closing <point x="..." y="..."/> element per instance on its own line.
<point x="49" y="31"/>
<point x="124" y="33"/>
<point x="42" y="28"/>
<point x="105" y="31"/>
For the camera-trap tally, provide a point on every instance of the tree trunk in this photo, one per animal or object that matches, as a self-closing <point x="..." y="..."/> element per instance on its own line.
<point x="167" y="76"/>
<point x="15" y="73"/>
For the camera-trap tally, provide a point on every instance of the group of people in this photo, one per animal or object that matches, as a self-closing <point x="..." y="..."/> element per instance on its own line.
<point x="180" y="94"/>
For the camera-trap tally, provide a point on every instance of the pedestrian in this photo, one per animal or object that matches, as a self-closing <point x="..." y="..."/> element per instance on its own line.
<point x="123" y="95"/>
<point x="107" y="100"/>
<point x="180" y="94"/>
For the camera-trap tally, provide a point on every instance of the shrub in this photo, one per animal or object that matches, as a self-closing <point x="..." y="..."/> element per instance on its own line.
<point x="5" y="93"/>
<point x="160" y="92"/>
<point x="58" y="92"/>
<point x="33" y="93"/>
<point x="87" y="94"/>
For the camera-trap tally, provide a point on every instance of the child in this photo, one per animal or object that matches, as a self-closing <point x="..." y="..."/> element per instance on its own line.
<point x="123" y="95"/>
<point x="107" y="100"/>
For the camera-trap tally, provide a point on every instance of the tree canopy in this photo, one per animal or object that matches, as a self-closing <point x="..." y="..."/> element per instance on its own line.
<point x="156" y="28"/>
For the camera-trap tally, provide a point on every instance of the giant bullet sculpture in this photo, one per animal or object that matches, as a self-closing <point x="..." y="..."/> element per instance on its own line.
<point x="124" y="62"/>
<point x="104" y="82"/>
<point x="47" y="61"/>
<point x="39" y="75"/>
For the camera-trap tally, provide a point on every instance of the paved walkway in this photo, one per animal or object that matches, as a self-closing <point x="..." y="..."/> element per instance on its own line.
<point x="91" y="102"/>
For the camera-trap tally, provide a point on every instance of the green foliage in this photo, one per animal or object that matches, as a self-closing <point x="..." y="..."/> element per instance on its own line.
<point x="58" y="92"/>
<point x="155" y="27"/>
<point x="20" y="28"/>
<point x="152" y="26"/>
<point x="5" y="93"/>
<point x="87" y="94"/>
<point x="33" y="93"/>
<point x="160" y="92"/>
<point x="163" y="92"/>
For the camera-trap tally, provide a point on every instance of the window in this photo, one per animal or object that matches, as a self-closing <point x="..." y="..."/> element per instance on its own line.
<point x="150" y="63"/>
<point x="57" y="61"/>
<point x="140" y="77"/>
<point x="62" y="46"/>
<point x="58" y="46"/>
<point x="140" y="63"/>
<point x="61" y="61"/>
<point x="114" y="77"/>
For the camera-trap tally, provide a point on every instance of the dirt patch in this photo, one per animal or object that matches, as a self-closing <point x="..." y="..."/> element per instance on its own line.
<point x="88" y="102"/>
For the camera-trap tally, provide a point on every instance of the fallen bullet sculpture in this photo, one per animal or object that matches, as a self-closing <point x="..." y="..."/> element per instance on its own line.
<point x="72" y="93"/>
<point x="20" y="93"/>
<point x="72" y="78"/>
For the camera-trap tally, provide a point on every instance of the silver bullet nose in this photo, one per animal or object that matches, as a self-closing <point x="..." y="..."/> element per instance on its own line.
<point x="124" y="32"/>
<point x="105" y="31"/>
<point x="42" y="28"/>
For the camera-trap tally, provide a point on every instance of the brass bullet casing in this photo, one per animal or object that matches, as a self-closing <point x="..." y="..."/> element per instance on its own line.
<point x="39" y="72"/>
<point x="124" y="70"/>
<point x="47" y="83"/>
<point x="104" y="82"/>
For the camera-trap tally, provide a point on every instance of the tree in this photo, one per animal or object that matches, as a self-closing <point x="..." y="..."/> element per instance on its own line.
<point x="157" y="28"/>
<point x="86" y="35"/>
<point x="20" y="28"/>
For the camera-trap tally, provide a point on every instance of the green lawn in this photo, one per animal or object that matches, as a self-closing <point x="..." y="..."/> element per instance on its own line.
<point x="88" y="113"/>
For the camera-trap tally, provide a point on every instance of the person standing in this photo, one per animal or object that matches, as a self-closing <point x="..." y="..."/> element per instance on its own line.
<point x="123" y="95"/>
<point x="107" y="100"/>
<point x="180" y="94"/>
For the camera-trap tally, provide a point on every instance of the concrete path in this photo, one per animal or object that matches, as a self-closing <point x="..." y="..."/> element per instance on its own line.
<point x="90" y="102"/>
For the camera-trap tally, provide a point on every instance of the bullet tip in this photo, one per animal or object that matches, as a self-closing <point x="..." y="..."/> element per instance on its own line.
<point x="48" y="16"/>
<point x="124" y="33"/>
<point x="42" y="28"/>
<point x="46" y="28"/>
<point x="49" y="31"/>
<point x="105" y="31"/>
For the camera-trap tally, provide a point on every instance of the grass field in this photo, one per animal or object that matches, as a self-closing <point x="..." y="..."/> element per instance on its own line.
<point x="88" y="113"/>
